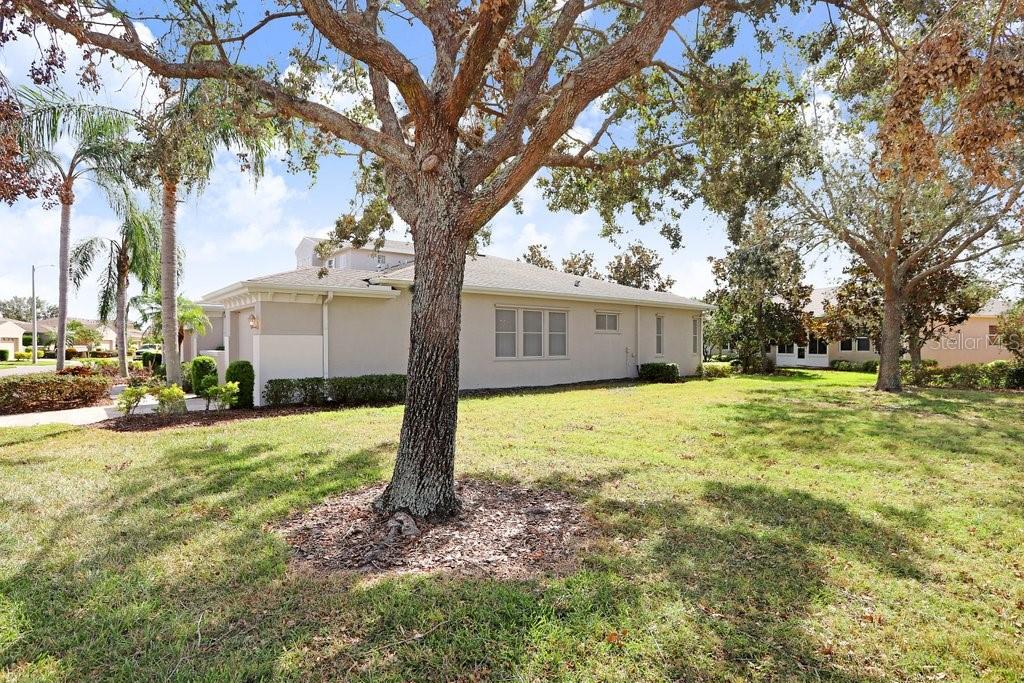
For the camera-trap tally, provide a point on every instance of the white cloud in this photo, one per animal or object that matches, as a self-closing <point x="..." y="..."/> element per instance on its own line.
<point x="123" y="84"/>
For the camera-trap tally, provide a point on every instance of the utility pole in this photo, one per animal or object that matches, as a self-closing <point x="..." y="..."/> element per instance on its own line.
<point x="35" y="316"/>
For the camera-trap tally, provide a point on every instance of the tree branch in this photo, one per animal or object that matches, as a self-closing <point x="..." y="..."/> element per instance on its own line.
<point x="327" y="119"/>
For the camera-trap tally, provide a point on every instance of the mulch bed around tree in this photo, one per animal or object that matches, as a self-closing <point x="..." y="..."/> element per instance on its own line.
<point x="503" y="531"/>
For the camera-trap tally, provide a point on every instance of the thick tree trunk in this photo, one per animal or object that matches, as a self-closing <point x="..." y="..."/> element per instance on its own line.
<point x="915" y="354"/>
<point x="889" y="351"/>
<point x="63" y="276"/>
<point x="168" y="280"/>
<point x="423" y="483"/>
<point x="121" y="323"/>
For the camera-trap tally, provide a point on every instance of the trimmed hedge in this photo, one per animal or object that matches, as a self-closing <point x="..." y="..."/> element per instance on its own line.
<point x="46" y="391"/>
<point x="338" y="391"/>
<point x="998" y="374"/>
<point x="241" y="371"/>
<point x="200" y="368"/>
<point x="659" y="372"/>
<point x="715" y="369"/>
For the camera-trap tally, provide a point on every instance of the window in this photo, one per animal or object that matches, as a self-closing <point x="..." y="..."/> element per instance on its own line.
<point x="863" y="344"/>
<point x="557" y="329"/>
<point x="533" y="334"/>
<point x="330" y="263"/>
<point x="846" y="345"/>
<point x="607" y="322"/>
<point x="659" y="335"/>
<point x="817" y="346"/>
<point x="381" y="259"/>
<point x="786" y="348"/>
<point x="696" y="335"/>
<point x="505" y="333"/>
<point x="527" y="333"/>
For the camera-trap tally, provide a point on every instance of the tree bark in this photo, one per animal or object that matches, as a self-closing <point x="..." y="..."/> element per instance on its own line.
<point x="168" y="280"/>
<point x="423" y="483"/>
<point x="63" y="275"/>
<point x="916" y="346"/>
<point x="121" y="323"/>
<point x="889" y="349"/>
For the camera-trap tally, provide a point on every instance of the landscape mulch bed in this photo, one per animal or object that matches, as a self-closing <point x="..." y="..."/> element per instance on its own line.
<point x="503" y="531"/>
<point x="151" y="421"/>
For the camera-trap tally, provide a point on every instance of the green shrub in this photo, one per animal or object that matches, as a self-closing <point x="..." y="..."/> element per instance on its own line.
<point x="23" y="355"/>
<point x="4" y="355"/>
<point x="1015" y="377"/>
<point x="224" y="395"/>
<point x="367" y="390"/>
<point x="130" y="398"/>
<point x="870" y="366"/>
<point x="995" y="375"/>
<point x="241" y="371"/>
<point x="659" y="372"/>
<point x="152" y="359"/>
<point x="341" y="391"/>
<point x="169" y="400"/>
<point x="280" y="392"/>
<point x="718" y="369"/>
<point x="49" y="391"/>
<point x="201" y="367"/>
<point x="186" y="377"/>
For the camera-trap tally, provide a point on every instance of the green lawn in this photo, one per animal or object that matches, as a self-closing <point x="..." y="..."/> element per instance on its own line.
<point x="753" y="529"/>
<point x="25" y="363"/>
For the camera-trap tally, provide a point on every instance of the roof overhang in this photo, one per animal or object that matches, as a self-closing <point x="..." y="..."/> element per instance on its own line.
<point x="534" y="294"/>
<point x="228" y="296"/>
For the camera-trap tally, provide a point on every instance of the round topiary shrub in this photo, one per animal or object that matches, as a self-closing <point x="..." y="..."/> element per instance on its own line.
<point x="241" y="371"/>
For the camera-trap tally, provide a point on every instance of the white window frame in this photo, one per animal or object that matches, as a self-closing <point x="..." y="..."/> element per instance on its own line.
<point x="697" y="348"/>
<point x="545" y="333"/>
<point x="538" y="333"/>
<point x="514" y="333"/>
<point x="856" y="344"/>
<point x="659" y="336"/>
<point x="618" y="321"/>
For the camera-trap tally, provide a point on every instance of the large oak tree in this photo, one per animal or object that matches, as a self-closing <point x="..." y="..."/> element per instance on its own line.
<point x="448" y="149"/>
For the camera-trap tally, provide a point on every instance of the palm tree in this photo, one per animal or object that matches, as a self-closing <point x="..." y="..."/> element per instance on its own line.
<point x="182" y="136"/>
<point x="97" y="134"/>
<point x="191" y="318"/>
<point x="133" y="253"/>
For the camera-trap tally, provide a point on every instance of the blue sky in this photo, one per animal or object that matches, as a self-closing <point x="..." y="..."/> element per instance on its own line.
<point x="237" y="229"/>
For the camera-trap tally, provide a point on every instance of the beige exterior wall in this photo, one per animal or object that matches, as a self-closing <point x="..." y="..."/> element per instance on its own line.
<point x="371" y="335"/>
<point x="10" y="337"/>
<point x="969" y="343"/>
<point x="368" y="335"/>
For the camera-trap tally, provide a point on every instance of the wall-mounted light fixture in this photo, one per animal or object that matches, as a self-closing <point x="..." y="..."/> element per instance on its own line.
<point x="254" y="322"/>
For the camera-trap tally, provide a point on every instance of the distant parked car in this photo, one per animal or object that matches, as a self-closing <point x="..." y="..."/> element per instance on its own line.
<point x="147" y="348"/>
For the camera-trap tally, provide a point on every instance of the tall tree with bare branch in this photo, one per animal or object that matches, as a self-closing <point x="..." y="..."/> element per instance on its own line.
<point x="449" y="149"/>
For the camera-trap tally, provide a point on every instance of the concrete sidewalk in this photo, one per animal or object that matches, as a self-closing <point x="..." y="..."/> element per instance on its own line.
<point x="85" y="416"/>
<point x="27" y="369"/>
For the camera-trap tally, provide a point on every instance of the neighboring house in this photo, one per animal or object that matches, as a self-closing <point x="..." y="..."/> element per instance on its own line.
<point x="975" y="341"/>
<point x="521" y="325"/>
<point x="11" y="332"/>
<point x="109" y="342"/>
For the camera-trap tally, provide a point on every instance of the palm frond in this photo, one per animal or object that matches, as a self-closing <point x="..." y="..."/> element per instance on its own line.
<point x="82" y="256"/>
<point x="48" y="115"/>
<point x="108" y="284"/>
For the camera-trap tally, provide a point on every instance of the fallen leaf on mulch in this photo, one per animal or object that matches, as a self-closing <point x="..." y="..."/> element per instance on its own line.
<point x="503" y="531"/>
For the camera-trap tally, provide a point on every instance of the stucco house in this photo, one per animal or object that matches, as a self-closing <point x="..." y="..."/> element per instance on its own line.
<point x="977" y="340"/>
<point x="106" y="330"/>
<point x="11" y="332"/>
<point x="521" y="325"/>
